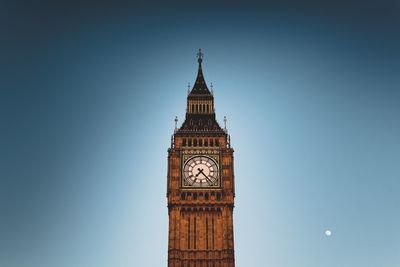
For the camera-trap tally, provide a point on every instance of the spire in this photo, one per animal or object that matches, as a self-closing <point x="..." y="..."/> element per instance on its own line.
<point x="200" y="112"/>
<point x="200" y="86"/>
<point x="176" y="123"/>
<point x="225" y="124"/>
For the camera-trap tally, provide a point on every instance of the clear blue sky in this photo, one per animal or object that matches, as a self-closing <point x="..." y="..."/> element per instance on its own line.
<point x="88" y="98"/>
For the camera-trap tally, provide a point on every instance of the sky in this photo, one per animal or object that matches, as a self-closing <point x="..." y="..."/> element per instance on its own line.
<point x="88" y="96"/>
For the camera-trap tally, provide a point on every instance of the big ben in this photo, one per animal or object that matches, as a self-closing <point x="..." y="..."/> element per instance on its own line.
<point x="200" y="185"/>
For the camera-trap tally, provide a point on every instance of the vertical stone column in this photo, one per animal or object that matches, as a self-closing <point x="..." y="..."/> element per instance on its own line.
<point x="218" y="231"/>
<point x="230" y="229"/>
<point x="177" y="227"/>
<point x="170" y="232"/>
<point x="182" y="224"/>
<point x="231" y="241"/>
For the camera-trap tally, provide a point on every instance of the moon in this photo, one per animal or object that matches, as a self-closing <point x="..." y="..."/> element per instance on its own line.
<point x="328" y="232"/>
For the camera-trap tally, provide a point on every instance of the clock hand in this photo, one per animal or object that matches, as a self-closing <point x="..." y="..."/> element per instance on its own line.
<point x="201" y="171"/>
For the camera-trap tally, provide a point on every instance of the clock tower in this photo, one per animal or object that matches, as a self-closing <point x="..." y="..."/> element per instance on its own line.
<point x="200" y="185"/>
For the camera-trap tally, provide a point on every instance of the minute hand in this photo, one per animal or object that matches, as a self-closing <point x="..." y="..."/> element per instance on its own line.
<point x="201" y="171"/>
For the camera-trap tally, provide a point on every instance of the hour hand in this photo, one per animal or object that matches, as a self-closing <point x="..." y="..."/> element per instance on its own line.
<point x="200" y="171"/>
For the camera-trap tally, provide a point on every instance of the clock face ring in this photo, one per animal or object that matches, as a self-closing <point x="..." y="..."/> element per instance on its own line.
<point x="201" y="171"/>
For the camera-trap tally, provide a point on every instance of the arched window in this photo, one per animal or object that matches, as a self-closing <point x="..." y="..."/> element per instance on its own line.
<point x="208" y="108"/>
<point x="192" y="108"/>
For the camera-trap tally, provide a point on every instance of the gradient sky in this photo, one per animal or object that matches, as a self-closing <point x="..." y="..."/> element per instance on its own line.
<point x="89" y="92"/>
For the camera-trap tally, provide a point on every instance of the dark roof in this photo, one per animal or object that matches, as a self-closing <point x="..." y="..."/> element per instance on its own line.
<point x="200" y="88"/>
<point x="204" y="123"/>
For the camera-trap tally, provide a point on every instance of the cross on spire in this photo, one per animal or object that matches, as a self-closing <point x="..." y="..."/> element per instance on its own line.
<point x="200" y="56"/>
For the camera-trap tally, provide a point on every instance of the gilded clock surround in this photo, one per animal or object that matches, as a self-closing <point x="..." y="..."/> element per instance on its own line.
<point x="215" y="181"/>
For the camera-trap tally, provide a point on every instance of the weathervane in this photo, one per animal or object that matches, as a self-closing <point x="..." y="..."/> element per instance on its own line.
<point x="188" y="88"/>
<point x="212" y="87"/>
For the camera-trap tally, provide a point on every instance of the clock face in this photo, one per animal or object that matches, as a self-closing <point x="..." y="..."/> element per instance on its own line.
<point x="201" y="171"/>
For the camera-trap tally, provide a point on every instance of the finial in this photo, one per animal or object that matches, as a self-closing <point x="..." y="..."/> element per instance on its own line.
<point x="225" y="123"/>
<point x="188" y="88"/>
<point x="199" y="56"/>
<point x="176" y="123"/>
<point x="212" y="87"/>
